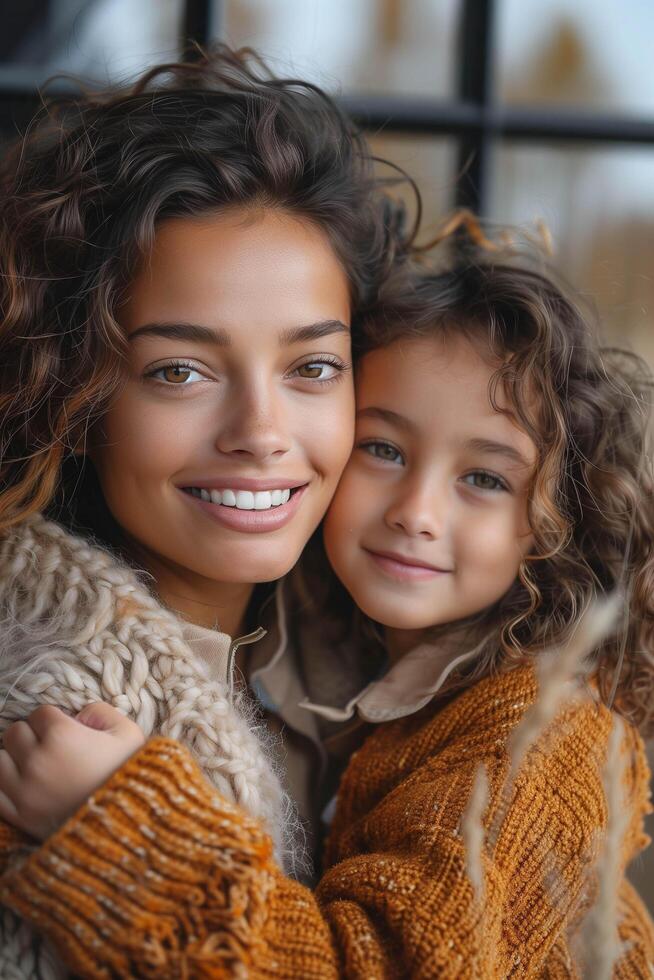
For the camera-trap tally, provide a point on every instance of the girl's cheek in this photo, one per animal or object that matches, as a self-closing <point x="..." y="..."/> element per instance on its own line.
<point x="342" y="517"/>
<point x="355" y="491"/>
<point x="496" y="539"/>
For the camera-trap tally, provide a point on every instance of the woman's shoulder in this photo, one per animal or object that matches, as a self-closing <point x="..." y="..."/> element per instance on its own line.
<point x="75" y="623"/>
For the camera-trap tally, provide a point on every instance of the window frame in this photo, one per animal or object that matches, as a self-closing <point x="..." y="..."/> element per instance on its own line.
<point x="473" y="117"/>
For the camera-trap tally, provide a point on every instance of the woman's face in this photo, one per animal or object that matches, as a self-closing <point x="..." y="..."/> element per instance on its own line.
<point x="222" y="451"/>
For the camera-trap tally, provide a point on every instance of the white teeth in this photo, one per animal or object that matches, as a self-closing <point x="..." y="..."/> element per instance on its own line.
<point x="243" y="499"/>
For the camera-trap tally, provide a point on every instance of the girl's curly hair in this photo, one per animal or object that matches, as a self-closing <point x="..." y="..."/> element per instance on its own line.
<point x="81" y="196"/>
<point x="591" y="501"/>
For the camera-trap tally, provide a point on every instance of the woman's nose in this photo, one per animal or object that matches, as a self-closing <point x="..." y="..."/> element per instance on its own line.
<point x="255" y="425"/>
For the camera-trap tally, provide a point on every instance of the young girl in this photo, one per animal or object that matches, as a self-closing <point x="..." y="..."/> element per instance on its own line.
<point x="180" y="262"/>
<point x="497" y="485"/>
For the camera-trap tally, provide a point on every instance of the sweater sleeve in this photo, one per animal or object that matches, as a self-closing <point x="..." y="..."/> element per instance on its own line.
<point x="158" y="876"/>
<point x="14" y="844"/>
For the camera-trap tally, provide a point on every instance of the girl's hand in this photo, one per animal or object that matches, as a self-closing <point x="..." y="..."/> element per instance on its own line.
<point x="51" y="763"/>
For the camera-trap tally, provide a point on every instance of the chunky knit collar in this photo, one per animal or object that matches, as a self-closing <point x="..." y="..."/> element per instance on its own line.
<point x="77" y="625"/>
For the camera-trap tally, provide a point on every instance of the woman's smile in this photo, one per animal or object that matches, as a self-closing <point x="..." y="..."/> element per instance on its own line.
<point x="246" y="510"/>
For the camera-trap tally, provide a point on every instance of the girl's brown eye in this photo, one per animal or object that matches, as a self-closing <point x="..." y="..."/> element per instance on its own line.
<point x="382" y="450"/>
<point x="484" y="481"/>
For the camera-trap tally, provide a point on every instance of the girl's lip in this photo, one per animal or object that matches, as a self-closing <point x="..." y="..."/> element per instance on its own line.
<point x="404" y="568"/>
<point x="250" y="521"/>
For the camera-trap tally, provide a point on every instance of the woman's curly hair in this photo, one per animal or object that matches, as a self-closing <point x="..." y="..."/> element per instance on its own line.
<point x="81" y="196"/>
<point x="591" y="500"/>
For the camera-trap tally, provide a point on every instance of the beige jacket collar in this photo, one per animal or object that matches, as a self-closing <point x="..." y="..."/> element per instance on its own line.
<point x="406" y="688"/>
<point x="297" y="675"/>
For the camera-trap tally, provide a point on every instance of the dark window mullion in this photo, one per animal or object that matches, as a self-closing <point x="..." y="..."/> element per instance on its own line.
<point x="475" y="68"/>
<point x="197" y="26"/>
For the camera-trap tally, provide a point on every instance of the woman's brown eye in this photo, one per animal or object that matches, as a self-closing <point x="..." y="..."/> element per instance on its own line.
<point x="176" y="374"/>
<point x="311" y="370"/>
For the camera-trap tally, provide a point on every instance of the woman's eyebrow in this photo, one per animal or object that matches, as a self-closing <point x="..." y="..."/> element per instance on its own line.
<point x="199" y="334"/>
<point x="184" y="331"/>
<point x="313" y="331"/>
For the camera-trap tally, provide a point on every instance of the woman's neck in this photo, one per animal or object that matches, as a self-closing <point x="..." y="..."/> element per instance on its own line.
<point x="196" y="599"/>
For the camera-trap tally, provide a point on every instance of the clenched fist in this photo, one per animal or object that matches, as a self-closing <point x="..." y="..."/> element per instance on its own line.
<point x="51" y="763"/>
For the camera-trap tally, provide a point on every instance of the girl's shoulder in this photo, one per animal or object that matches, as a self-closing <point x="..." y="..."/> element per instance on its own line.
<point x="481" y="719"/>
<point x="423" y="768"/>
<point x="500" y="722"/>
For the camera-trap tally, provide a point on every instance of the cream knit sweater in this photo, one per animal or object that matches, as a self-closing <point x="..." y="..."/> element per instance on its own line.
<point x="77" y="625"/>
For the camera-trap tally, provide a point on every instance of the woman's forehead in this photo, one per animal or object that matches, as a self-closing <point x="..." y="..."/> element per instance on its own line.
<point x="232" y="271"/>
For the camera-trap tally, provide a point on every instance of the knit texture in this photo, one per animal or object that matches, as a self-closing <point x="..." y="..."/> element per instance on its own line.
<point x="77" y="625"/>
<point x="159" y="876"/>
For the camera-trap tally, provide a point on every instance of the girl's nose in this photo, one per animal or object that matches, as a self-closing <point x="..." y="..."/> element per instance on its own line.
<point x="418" y="512"/>
<point x="254" y="426"/>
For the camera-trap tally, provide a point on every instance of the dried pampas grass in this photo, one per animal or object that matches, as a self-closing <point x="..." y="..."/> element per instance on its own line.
<point x="600" y="940"/>
<point x="472" y="831"/>
<point x="557" y="672"/>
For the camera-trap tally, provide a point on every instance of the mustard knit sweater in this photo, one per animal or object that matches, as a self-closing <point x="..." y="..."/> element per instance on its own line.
<point x="158" y="876"/>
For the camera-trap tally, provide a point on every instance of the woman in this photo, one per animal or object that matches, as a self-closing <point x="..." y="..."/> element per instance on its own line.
<point x="182" y="260"/>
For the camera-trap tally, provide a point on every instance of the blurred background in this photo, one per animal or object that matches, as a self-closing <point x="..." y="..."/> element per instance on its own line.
<point x="523" y="111"/>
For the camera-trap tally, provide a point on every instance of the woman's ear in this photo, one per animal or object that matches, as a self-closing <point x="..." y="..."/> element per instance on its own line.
<point x="78" y="441"/>
<point x="81" y="439"/>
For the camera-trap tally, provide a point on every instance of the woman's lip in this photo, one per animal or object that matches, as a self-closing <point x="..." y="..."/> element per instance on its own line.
<point x="249" y="521"/>
<point x="400" y="566"/>
<point x="243" y="483"/>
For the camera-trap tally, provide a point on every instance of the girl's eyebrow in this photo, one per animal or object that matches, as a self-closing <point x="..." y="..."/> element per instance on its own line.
<point x="386" y="415"/>
<point x="199" y="334"/>
<point x="499" y="449"/>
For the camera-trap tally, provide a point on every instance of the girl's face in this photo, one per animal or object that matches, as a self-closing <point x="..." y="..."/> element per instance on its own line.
<point x="221" y="452"/>
<point x="429" y="522"/>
